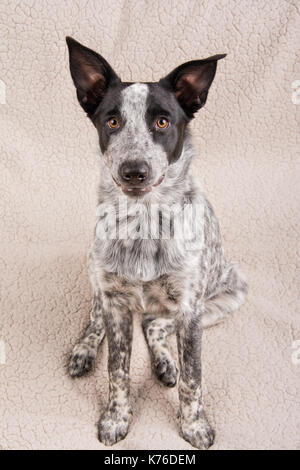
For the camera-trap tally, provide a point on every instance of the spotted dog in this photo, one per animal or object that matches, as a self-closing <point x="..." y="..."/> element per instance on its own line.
<point x="178" y="284"/>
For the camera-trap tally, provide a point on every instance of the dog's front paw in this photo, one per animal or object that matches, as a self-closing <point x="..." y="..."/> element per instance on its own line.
<point x="81" y="360"/>
<point x="166" y="370"/>
<point x="198" y="433"/>
<point x="113" y="425"/>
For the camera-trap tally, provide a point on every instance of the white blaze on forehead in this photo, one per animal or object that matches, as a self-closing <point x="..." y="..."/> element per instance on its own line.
<point x="134" y="104"/>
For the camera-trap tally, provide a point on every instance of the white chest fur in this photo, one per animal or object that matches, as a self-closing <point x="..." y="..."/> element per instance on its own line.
<point x="142" y="241"/>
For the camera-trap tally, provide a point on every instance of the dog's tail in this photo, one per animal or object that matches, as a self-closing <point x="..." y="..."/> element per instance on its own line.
<point x="218" y="307"/>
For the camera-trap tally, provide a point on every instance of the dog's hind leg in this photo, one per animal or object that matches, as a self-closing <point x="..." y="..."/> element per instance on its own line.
<point x="84" y="352"/>
<point x="229" y="295"/>
<point x="156" y="331"/>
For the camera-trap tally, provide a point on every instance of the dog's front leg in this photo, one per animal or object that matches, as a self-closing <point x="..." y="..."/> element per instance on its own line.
<point x="119" y="301"/>
<point x="194" y="426"/>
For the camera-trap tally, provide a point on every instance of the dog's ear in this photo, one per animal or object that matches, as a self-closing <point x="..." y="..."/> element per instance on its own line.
<point x="91" y="75"/>
<point x="191" y="81"/>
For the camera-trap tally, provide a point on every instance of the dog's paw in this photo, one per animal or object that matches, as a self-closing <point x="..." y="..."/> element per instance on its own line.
<point x="198" y="433"/>
<point x="166" y="371"/>
<point x="113" y="426"/>
<point x="81" y="360"/>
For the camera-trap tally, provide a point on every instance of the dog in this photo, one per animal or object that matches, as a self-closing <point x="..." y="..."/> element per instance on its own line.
<point x="178" y="284"/>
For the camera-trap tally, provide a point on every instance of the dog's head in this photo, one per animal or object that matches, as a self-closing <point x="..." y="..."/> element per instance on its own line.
<point x="140" y="125"/>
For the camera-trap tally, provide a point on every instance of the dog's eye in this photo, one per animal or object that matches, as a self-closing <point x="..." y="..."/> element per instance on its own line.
<point x="113" y="123"/>
<point x="162" y="123"/>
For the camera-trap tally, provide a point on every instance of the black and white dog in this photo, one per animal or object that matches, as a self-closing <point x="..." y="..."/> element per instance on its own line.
<point x="138" y="262"/>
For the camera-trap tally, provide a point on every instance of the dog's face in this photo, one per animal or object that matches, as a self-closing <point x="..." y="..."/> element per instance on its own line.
<point x="140" y="125"/>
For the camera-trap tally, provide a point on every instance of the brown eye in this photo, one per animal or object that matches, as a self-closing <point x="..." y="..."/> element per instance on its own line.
<point x="162" y="123"/>
<point x="113" y="123"/>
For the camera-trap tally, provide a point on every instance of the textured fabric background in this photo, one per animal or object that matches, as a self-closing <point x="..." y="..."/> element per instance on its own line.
<point x="247" y="161"/>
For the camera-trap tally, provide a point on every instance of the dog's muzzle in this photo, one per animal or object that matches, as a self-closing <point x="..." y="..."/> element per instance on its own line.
<point x="134" y="178"/>
<point x="136" y="191"/>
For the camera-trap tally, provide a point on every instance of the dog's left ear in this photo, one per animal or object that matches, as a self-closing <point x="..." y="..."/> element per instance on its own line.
<point x="91" y="75"/>
<point x="191" y="81"/>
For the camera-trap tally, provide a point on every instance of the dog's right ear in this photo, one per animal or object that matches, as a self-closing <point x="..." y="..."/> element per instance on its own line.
<point x="91" y="75"/>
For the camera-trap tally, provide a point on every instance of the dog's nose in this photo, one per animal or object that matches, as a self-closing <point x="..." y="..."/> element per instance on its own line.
<point x="134" y="172"/>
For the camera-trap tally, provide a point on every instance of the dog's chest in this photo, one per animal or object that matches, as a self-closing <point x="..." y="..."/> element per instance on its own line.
<point x="134" y="245"/>
<point x="139" y="260"/>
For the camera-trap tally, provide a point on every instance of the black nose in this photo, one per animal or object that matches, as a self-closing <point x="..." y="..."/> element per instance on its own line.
<point x="134" y="172"/>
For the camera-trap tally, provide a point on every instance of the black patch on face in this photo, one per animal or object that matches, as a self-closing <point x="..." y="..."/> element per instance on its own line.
<point x="109" y="107"/>
<point x="161" y="102"/>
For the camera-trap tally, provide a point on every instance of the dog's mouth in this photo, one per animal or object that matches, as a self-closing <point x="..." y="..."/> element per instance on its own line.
<point x="136" y="191"/>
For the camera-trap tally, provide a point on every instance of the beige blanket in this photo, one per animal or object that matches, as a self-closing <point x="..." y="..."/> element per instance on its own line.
<point x="247" y="161"/>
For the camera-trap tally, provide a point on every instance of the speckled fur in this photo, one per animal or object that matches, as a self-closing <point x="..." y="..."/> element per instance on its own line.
<point x="174" y="288"/>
